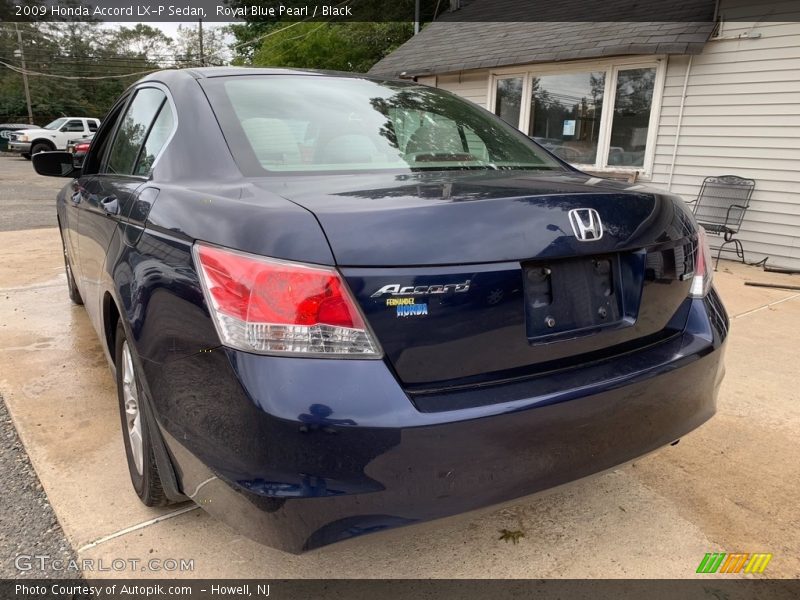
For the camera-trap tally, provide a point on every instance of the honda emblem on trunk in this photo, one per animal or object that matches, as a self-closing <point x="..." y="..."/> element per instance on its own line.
<point x="586" y="224"/>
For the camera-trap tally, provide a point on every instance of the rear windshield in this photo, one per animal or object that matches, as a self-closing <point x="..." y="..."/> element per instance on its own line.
<point x="298" y="123"/>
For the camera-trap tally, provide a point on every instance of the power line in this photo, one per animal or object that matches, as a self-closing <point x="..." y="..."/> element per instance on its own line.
<point x="56" y="38"/>
<point x="297" y="37"/>
<point x="271" y="33"/>
<point x="73" y="77"/>
<point x="93" y="65"/>
<point x="91" y="69"/>
<point x="121" y="58"/>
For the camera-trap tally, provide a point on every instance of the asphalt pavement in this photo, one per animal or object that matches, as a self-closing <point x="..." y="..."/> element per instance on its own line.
<point x="27" y="201"/>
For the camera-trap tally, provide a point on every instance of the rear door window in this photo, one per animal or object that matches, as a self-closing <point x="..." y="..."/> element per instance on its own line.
<point x="156" y="139"/>
<point x="132" y="131"/>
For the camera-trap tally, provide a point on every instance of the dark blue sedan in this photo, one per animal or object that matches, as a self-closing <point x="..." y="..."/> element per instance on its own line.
<point x="335" y="304"/>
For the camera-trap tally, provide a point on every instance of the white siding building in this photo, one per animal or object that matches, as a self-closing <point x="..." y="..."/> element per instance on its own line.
<point x="673" y="104"/>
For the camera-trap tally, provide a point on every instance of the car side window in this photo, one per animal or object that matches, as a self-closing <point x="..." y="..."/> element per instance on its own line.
<point x="73" y="126"/>
<point x="92" y="125"/>
<point x="102" y="139"/>
<point x="132" y="131"/>
<point x="156" y="139"/>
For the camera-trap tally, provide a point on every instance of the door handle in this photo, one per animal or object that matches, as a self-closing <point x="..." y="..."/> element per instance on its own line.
<point x="110" y="205"/>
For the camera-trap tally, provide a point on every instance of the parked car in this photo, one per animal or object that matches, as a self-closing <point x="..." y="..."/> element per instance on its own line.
<point x="571" y="155"/>
<point x="78" y="148"/>
<point x="53" y="136"/>
<point x="335" y="304"/>
<point x="6" y="131"/>
<point x="548" y="143"/>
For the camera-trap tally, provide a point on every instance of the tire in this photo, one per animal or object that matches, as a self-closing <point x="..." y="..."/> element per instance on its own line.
<point x="74" y="294"/>
<point x="40" y="147"/>
<point x="26" y="155"/>
<point x="137" y="429"/>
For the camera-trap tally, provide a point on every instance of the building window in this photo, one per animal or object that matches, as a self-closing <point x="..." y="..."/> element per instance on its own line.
<point x="508" y="99"/>
<point x="565" y="114"/>
<point x="629" y="128"/>
<point x="598" y="117"/>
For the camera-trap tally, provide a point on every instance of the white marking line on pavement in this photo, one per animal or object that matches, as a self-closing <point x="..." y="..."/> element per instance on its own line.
<point x="137" y="527"/>
<point x="750" y="312"/>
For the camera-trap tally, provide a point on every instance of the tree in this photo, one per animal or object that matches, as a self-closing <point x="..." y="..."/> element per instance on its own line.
<point x="75" y="49"/>
<point x="335" y="46"/>
<point x="141" y="42"/>
<point x="187" y="45"/>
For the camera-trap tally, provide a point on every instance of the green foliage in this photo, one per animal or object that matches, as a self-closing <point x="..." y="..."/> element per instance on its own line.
<point x="81" y="49"/>
<point x="334" y="46"/>
<point x="187" y="45"/>
<point x="70" y="49"/>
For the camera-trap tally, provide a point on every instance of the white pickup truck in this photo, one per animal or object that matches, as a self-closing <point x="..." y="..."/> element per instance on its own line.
<point x="53" y="136"/>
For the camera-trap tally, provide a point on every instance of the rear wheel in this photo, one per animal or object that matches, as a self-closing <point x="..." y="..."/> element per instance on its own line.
<point x="74" y="294"/>
<point x="137" y="430"/>
<point x="26" y="155"/>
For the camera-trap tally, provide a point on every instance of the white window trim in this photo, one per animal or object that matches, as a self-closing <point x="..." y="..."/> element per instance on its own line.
<point x="612" y="68"/>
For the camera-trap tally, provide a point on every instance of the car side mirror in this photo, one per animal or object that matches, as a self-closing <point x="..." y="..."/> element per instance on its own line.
<point x="55" y="164"/>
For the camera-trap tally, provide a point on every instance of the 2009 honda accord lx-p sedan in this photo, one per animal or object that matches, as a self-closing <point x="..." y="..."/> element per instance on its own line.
<point x="336" y="305"/>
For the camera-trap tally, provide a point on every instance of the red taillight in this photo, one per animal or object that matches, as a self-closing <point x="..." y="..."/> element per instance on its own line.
<point x="81" y="147"/>
<point x="703" y="270"/>
<point x="273" y="306"/>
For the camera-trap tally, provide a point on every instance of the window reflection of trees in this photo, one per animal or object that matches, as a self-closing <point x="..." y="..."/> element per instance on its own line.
<point x="509" y="100"/>
<point x="459" y="124"/>
<point x="566" y="111"/>
<point x="567" y="121"/>
<point x="631" y="119"/>
<point x="129" y="139"/>
<point x="155" y="140"/>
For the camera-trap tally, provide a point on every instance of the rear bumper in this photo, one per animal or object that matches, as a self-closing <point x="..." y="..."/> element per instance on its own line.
<point x="19" y="146"/>
<point x="300" y="453"/>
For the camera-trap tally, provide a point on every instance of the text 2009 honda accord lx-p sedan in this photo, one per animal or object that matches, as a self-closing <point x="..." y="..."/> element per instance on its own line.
<point x="336" y="305"/>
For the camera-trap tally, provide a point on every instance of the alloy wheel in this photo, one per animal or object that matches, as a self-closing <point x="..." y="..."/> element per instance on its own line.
<point x="133" y="415"/>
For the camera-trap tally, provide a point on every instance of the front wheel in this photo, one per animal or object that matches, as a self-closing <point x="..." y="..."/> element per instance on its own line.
<point x="137" y="430"/>
<point x="40" y="147"/>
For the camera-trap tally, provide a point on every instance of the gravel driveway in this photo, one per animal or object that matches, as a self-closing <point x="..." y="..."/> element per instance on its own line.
<point x="28" y="525"/>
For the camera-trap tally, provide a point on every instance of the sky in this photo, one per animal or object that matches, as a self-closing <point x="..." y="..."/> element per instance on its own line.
<point x="171" y="28"/>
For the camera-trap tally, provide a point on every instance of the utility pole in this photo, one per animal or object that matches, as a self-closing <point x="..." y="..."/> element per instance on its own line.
<point x="416" y="17"/>
<point x="202" y="54"/>
<point x="24" y="75"/>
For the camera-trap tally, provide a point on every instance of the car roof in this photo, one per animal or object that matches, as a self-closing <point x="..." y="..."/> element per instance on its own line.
<point x="212" y="72"/>
<point x="203" y="72"/>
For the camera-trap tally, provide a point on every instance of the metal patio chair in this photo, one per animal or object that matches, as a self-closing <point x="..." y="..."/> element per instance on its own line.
<point x="720" y="207"/>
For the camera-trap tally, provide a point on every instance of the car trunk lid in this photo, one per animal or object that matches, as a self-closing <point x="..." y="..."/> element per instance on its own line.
<point x="472" y="278"/>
